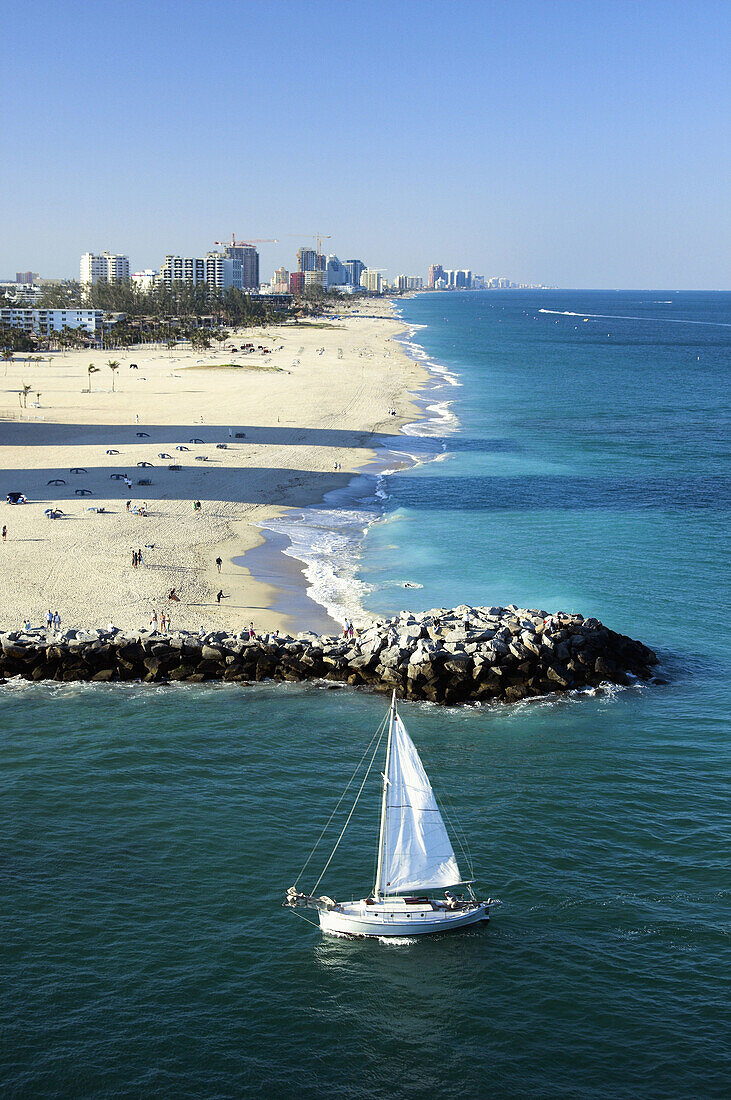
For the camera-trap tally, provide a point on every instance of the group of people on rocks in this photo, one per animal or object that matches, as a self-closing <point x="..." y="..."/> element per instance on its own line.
<point x="163" y="623"/>
<point x="349" y="629"/>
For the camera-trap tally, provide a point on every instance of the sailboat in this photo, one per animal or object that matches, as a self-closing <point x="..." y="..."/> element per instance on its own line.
<point x="415" y="857"/>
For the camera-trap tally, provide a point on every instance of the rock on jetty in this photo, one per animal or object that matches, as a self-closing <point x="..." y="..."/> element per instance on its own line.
<point x="465" y="654"/>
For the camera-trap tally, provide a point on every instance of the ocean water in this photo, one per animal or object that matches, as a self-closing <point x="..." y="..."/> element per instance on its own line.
<point x="149" y="832"/>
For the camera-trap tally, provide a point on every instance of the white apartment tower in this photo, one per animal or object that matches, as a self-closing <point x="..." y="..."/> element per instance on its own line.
<point x="106" y="265"/>
<point x="216" y="270"/>
<point x="372" y="280"/>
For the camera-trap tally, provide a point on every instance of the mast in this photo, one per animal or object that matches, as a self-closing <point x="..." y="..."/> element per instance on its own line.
<point x="382" y="833"/>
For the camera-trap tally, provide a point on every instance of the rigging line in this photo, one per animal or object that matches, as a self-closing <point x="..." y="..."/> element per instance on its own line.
<point x="378" y="732"/>
<point x="303" y="917"/>
<point x="461" y="835"/>
<point x="352" y="809"/>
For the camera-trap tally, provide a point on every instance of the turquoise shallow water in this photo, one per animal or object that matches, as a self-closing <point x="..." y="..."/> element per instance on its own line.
<point x="148" y="832"/>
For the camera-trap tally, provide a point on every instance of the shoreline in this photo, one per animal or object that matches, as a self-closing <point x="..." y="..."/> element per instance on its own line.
<point x="311" y="416"/>
<point x="337" y="527"/>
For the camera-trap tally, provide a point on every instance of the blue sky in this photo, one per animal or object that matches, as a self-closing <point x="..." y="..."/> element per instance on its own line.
<point x="576" y="144"/>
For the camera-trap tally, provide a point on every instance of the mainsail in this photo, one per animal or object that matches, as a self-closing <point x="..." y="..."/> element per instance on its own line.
<point x="417" y="853"/>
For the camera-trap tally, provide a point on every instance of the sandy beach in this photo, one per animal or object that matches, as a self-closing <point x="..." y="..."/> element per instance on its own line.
<point x="249" y="435"/>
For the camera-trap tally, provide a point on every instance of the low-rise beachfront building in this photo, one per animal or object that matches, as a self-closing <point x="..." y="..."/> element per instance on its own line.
<point x="143" y="280"/>
<point x="45" y="321"/>
<point x="21" y="294"/>
<point x="111" y="266"/>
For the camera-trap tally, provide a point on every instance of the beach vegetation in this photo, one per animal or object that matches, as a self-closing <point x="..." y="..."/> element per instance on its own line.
<point x="91" y="369"/>
<point x="113" y="365"/>
<point x="23" y="392"/>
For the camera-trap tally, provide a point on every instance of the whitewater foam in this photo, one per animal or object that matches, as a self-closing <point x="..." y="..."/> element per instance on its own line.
<point x="328" y="539"/>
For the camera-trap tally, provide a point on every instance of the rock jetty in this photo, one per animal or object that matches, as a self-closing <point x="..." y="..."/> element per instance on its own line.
<point x="460" y="655"/>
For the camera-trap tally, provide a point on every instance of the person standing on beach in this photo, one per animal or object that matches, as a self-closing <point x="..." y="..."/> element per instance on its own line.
<point x="219" y="563"/>
<point x="56" y="620"/>
<point x="5" y="533"/>
<point x="219" y="597"/>
<point x="140" y="559"/>
<point x="252" y="632"/>
<point x="153" y="620"/>
<point x="49" y="619"/>
<point x="134" y="559"/>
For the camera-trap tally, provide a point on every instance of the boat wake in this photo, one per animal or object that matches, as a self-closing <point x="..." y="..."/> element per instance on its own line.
<point x="623" y="317"/>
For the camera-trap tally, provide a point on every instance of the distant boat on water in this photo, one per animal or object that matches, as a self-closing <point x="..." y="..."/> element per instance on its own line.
<point x="415" y="856"/>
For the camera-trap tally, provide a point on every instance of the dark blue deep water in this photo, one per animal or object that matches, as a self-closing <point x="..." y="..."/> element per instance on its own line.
<point x="148" y="832"/>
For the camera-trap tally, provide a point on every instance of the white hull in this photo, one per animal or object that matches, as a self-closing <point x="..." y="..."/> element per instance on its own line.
<point x="358" y="919"/>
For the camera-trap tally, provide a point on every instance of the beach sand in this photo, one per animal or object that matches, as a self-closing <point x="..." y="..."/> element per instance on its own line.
<point x="284" y="419"/>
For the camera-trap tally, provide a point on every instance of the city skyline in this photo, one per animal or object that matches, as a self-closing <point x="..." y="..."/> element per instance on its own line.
<point x="573" y="145"/>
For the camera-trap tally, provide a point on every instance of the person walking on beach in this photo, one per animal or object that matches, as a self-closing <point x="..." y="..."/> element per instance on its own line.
<point x="5" y="533"/>
<point x="219" y="597"/>
<point x="219" y="563"/>
<point x="134" y="559"/>
<point x="129" y="502"/>
<point x="140" y="559"/>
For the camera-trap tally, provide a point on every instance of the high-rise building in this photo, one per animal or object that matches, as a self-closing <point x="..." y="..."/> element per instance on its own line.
<point x="296" y="282"/>
<point x="436" y="272"/>
<point x="105" y="265"/>
<point x="247" y="256"/>
<point x="26" y="276"/>
<point x="353" y="271"/>
<point x="407" y="282"/>
<point x="372" y="280"/>
<point x="315" y="278"/>
<point x="215" y="269"/>
<point x="280" y="281"/>
<point x="307" y="259"/>
<point x="335" y="272"/>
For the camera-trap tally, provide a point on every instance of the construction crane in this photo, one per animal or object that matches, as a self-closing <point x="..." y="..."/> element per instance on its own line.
<point x="233" y="243"/>
<point x="318" y="237"/>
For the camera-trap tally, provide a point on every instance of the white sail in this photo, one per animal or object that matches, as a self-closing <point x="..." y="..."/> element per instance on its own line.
<point x="417" y="852"/>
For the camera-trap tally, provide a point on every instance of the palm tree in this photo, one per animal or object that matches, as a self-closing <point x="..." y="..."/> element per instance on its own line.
<point x="26" y="390"/>
<point x="7" y="358"/>
<point x="113" y="365"/>
<point x="91" y="369"/>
